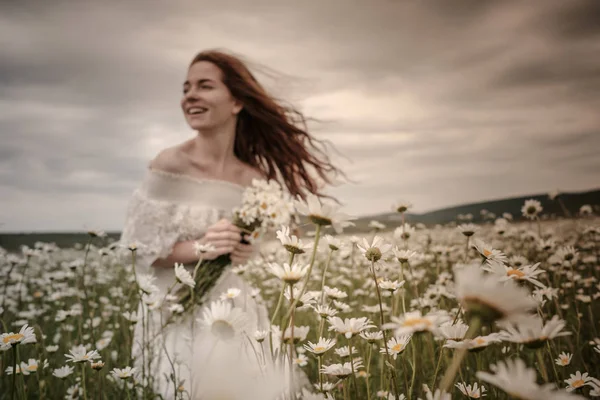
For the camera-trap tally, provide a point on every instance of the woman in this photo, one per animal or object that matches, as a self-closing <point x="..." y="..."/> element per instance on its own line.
<point x="190" y="189"/>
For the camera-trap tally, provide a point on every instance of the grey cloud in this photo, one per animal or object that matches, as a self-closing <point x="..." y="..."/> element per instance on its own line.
<point x="479" y="99"/>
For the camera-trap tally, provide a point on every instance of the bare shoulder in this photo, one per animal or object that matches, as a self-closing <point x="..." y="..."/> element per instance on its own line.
<point x="252" y="173"/>
<point x="168" y="160"/>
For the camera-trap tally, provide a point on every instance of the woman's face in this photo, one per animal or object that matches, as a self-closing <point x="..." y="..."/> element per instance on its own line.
<point x="207" y="103"/>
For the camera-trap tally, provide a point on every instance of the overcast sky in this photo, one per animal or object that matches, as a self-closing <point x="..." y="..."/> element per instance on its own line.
<point x="437" y="102"/>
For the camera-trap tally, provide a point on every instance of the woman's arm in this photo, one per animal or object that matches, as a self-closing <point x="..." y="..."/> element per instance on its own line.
<point x="183" y="252"/>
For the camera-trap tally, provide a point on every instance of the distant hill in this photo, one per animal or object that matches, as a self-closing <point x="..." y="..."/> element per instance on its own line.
<point x="495" y="208"/>
<point x="552" y="208"/>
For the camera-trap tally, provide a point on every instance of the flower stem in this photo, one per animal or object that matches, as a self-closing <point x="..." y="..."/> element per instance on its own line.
<point x="14" y="380"/>
<point x="370" y="352"/>
<point x="385" y="344"/>
<point x="414" y="367"/>
<point x="450" y="374"/>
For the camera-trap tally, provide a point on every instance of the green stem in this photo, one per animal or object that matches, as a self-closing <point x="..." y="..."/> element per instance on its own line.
<point x="352" y="365"/>
<point x="310" y="267"/>
<point x="437" y="367"/>
<point x="450" y="374"/>
<point x="370" y="352"/>
<point x="385" y="343"/>
<point x="325" y="272"/>
<point x="540" y="357"/>
<point x="83" y="380"/>
<point x="414" y="367"/>
<point x="14" y="381"/>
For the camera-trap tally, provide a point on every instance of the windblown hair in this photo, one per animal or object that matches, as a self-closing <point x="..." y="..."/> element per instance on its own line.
<point x="271" y="136"/>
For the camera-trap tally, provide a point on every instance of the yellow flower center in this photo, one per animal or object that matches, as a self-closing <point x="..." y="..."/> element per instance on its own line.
<point x="578" y="383"/>
<point x="16" y="337"/>
<point x="32" y="368"/>
<point x="319" y="348"/>
<point x="398" y="347"/>
<point x="564" y="360"/>
<point x="263" y="206"/>
<point x="38" y="294"/>
<point x="515" y="272"/>
<point x="479" y="341"/>
<point x="416" y="321"/>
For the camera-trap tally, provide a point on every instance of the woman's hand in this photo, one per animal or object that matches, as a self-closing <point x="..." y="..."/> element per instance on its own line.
<point x="241" y="253"/>
<point x="224" y="236"/>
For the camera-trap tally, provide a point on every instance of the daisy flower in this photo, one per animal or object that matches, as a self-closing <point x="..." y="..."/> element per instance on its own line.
<point x="97" y="365"/>
<point x="567" y="253"/>
<point x="292" y="244"/>
<point x="260" y="336"/>
<point x="515" y="378"/>
<point x="531" y="209"/>
<point x="412" y="322"/>
<point x="391" y="286"/>
<point x="564" y="359"/>
<point x="300" y="333"/>
<point x="183" y="276"/>
<point x="334" y="293"/>
<point x="532" y="332"/>
<point x="25" y="335"/>
<point x="467" y="229"/>
<point x="344" y="351"/>
<point x="349" y="326"/>
<point x="404" y="256"/>
<point x="473" y="392"/>
<point x="322" y="214"/>
<point x="301" y="360"/>
<point x="325" y="311"/>
<point x="396" y="345"/>
<point x="401" y="206"/>
<point x="524" y="273"/>
<point x="124" y="373"/>
<point x="289" y="274"/>
<point x="455" y="331"/>
<point x="578" y="380"/>
<point x="489" y="298"/>
<point x="404" y="232"/>
<point x="321" y="347"/>
<point x="476" y="344"/>
<point x="341" y="371"/>
<point x="376" y="250"/>
<point x="376" y="225"/>
<point x="230" y="294"/>
<point x="30" y="367"/>
<point x="223" y="320"/>
<point x="63" y="372"/>
<point x="333" y="242"/>
<point x="203" y="248"/>
<point x="371" y="337"/>
<point x="79" y="354"/>
<point x="488" y="252"/>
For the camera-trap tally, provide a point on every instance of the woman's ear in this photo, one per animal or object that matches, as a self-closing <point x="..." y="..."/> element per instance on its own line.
<point x="237" y="107"/>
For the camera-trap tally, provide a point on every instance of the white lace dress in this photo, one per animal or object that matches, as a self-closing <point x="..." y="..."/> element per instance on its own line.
<point x="164" y="209"/>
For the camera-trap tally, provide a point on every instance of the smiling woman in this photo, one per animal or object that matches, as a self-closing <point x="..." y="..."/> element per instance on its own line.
<point x="182" y="210"/>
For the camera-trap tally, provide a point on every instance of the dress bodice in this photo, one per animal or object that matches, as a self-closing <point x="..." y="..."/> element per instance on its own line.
<point x="169" y="207"/>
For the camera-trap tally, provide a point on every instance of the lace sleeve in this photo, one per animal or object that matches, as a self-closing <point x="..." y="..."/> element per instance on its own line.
<point x="152" y="226"/>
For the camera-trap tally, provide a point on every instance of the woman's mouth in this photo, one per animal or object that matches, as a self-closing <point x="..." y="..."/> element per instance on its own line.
<point x="196" y="110"/>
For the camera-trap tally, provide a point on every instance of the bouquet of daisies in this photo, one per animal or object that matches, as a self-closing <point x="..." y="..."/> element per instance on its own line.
<point x="264" y="206"/>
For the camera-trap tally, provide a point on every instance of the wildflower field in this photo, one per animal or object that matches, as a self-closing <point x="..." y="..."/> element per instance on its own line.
<point x="502" y="310"/>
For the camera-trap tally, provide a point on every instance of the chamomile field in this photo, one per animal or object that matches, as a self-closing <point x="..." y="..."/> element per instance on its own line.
<point x="501" y="310"/>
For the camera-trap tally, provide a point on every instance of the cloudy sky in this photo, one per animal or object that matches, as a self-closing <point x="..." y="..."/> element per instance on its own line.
<point x="436" y="102"/>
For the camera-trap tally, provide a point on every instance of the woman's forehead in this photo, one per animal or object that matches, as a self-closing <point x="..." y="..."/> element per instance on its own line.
<point x="204" y="70"/>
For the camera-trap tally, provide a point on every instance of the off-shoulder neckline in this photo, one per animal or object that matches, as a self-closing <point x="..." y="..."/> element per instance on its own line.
<point x="195" y="179"/>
